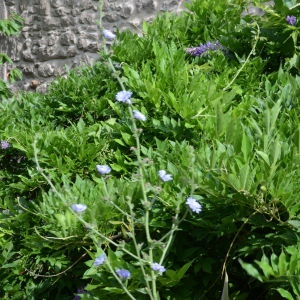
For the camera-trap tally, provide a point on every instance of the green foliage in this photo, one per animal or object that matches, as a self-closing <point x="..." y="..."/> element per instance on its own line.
<point x="9" y="27"/>
<point x="12" y="25"/>
<point x="224" y="125"/>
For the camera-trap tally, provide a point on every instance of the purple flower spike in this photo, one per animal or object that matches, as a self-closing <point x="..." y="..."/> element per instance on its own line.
<point x="123" y="273"/>
<point x="108" y="34"/>
<point x="4" y="144"/>
<point x="164" y="176"/>
<point x="204" y="48"/>
<point x="79" y="208"/>
<point x="103" y="169"/>
<point x="194" y="205"/>
<point x="139" y="116"/>
<point x="291" y="20"/>
<point x="158" y="267"/>
<point x="100" y="260"/>
<point x="124" y="97"/>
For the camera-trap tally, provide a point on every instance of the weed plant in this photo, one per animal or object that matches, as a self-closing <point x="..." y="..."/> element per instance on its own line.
<point x="169" y="170"/>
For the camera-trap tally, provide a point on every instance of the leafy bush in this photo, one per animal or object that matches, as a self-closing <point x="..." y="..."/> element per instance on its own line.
<point x="9" y="27"/>
<point x="192" y="179"/>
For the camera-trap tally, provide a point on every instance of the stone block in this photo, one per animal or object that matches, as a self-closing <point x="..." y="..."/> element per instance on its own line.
<point x="65" y="32"/>
<point x="45" y="70"/>
<point x="67" y="38"/>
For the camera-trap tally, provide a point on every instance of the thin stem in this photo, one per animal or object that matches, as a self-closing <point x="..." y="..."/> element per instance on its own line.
<point x="174" y="228"/>
<point x="233" y="241"/>
<point x="104" y="237"/>
<point x="57" y="274"/>
<point x="111" y="202"/>
<point x="246" y="61"/>
<point x="119" y="281"/>
<point x="139" y="255"/>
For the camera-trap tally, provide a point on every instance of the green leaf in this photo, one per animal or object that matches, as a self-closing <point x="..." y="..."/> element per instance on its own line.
<point x="251" y="270"/>
<point x="285" y="294"/>
<point x="264" y="156"/>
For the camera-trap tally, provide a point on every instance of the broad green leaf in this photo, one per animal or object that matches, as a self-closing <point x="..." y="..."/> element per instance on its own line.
<point x="251" y="270"/>
<point x="285" y="294"/>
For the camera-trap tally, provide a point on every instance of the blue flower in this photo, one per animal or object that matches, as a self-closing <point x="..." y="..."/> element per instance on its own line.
<point x="103" y="169"/>
<point x="158" y="267"/>
<point x="124" y="97"/>
<point x="108" y="34"/>
<point x="139" y="116"/>
<point x="164" y="176"/>
<point x="123" y="273"/>
<point x="291" y="20"/>
<point x="79" y="208"/>
<point x="203" y="48"/>
<point x="194" y="205"/>
<point x="100" y="260"/>
<point x="4" y="144"/>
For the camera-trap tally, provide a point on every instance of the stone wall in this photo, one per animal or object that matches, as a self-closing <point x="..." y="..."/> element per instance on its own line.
<point x="61" y="34"/>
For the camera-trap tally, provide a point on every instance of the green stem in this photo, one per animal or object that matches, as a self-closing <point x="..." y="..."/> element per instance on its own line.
<point x="119" y="281"/>
<point x="139" y="255"/>
<point x="246" y="61"/>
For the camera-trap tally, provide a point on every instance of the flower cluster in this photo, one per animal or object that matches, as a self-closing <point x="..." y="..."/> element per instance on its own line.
<point x="204" y="48"/>
<point x="291" y="20"/>
<point x="124" y="96"/>
<point x="4" y="145"/>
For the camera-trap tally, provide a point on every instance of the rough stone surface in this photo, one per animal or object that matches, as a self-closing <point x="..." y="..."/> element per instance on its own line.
<point x="59" y="34"/>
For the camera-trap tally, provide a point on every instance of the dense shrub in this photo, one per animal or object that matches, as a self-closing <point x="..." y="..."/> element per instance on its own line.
<point x="222" y="124"/>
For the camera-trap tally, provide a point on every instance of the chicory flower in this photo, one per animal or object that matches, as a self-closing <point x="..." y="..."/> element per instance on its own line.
<point x="164" y="176"/>
<point x="100" y="260"/>
<point x="103" y="169"/>
<point x="158" y="267"/>
<point x="139" y="116"/>
<point x="79" y="208"/>
<point x="124" y="97"/>
<point x="291" y="20"/>
<point x="123" y="273"/>
<point x="194" y="205"/>
<point x="108" y="34"/>
<point x="4" y="144"/>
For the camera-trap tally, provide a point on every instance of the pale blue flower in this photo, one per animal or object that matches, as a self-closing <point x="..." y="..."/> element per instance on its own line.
<point x="164" y="176"/>
<point x="103" y="169"/>
<point x="194" y="205"/>
<point x="291" y="20"/>
<point x="139" y="116"/>
<point x="124" y="97"/>
<point x="158" y="267"/>
<point x="79" y="208"/>
<point x="4" y="144"/>
<point x="123" y="273"/>
<point x="100" y="260"/>
<point x="108" y="34"/>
